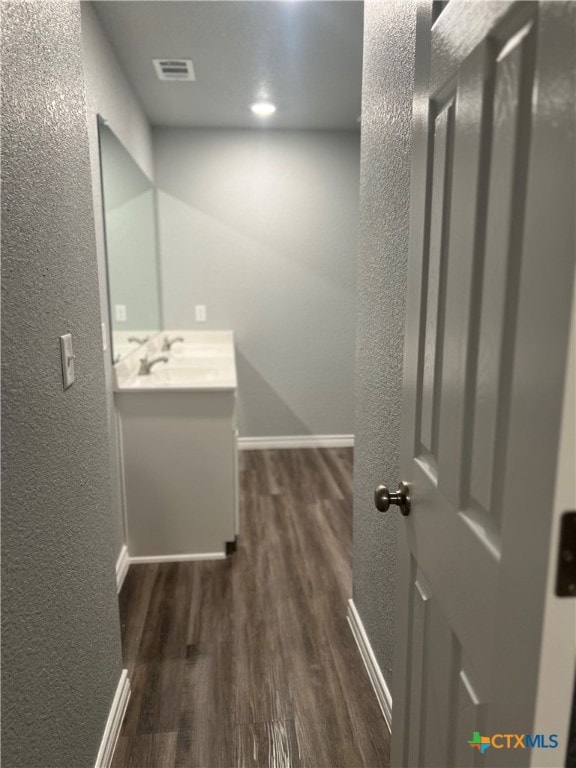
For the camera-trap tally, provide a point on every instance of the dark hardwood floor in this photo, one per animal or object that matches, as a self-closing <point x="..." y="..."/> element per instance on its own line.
<point x="249" y="661"/>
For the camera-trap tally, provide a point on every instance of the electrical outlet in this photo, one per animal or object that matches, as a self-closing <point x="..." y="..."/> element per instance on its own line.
<point x="200" y="313"/>
<point x="120" y="313"/>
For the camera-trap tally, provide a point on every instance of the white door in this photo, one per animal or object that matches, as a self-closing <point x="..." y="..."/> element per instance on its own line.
<point x="492" y="247"/>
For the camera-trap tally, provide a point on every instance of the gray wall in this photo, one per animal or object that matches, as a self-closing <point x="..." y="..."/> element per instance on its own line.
<point x="109" y="94"/>
<point x="383" y="251"/>
<point x="61" y="657"/>
<point x="261" y="227"/>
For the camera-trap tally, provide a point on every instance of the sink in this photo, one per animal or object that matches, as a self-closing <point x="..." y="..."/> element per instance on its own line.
<point x="192" y="373"/>
<point x="187" y="377"/>
<point x="180" y="350"/>
<point x="191" y="363"/>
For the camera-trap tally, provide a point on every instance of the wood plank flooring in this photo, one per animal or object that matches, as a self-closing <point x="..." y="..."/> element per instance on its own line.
<point x="249" y="661"/>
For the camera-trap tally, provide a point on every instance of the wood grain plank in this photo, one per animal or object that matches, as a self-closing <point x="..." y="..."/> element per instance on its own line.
<point x="206" y="748"/>
<point x="209" y="612"/>
<point x="267" y="745"/>
<point x="157" y="750"/>
<point x="208" y="688"/>
<point x="134" y="603"/>
<point x="156" y="692"/>
<point x="164" y="634"/>
<point x="339" y="463"/>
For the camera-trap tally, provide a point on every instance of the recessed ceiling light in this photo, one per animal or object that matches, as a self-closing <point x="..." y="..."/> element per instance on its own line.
<point x="263" y="108"/>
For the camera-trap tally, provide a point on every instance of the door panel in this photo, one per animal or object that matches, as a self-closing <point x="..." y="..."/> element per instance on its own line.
<point x="475" y="540"/>
<point x="420" y="657"/>
<point x="444" y="656"/>
<point x="470" y="718"/>
<point x="436" y="289"/>
<point x="473" y="113"/>
<point x="509" y="137"/>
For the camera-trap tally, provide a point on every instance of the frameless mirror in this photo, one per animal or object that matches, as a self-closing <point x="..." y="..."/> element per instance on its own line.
<point x="131" y="247"/>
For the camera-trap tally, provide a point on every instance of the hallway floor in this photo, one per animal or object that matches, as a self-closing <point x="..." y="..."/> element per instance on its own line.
<point x="249" y="661"/>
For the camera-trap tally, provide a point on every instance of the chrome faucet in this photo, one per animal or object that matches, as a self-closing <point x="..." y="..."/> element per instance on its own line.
<point x="167" y="343"/>
<point x="135" y="340"/>
<point x="146" y="365"/>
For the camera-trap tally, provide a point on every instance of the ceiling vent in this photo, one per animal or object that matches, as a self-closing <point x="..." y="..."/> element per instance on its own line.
<point x="174" y="69"/>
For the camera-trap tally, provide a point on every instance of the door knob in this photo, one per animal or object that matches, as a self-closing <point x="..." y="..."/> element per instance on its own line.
<point x="383" y="498"/>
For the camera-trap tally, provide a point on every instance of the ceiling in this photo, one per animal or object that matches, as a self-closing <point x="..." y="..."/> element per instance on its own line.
<point x="303" y="55"/>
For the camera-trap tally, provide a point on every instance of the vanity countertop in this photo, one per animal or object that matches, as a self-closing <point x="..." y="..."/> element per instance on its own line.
<point x="197" y="361"/>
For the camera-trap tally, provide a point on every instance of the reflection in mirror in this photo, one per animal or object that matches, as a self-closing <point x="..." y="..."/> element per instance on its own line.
<point x="131" y="247"/>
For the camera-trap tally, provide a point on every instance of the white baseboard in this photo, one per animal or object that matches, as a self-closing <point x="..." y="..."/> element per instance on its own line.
<point x="122" y="565"/>
<point x="374" y="672"/>
<point x="177" y="558"/>
<point x="114" y="722"/>
<point x="295" y="441"/>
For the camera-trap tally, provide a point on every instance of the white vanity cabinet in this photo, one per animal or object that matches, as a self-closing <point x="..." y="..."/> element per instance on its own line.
<point x="179" y="454"/>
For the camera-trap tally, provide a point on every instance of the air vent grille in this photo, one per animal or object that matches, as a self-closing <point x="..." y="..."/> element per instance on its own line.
<point x="174" y="69"/>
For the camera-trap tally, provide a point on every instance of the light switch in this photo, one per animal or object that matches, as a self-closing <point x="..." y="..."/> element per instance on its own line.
<point x="67" y="354"/>
<point x="120" y="313"/>
<point x="200" y="313"/>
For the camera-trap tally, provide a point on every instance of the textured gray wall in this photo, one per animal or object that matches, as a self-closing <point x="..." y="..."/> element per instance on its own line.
<point x="261" y="227"/>
<point x="389" y="27"/>
<point x="61" y="657"/>
<point x="109" y="94"/>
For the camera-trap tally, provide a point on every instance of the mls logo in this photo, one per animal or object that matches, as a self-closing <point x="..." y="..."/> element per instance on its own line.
<point x="481" y="743"/>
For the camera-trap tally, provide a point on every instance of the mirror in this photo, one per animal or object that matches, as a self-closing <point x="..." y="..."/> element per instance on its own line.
<point x="131" y="247"/>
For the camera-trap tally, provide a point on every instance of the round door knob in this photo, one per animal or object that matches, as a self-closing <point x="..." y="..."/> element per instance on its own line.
<point x="383" y="498"/>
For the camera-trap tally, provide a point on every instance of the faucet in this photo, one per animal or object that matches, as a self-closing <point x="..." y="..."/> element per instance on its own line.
<point x="137" y="340"/>
<point x="146" y="365"/>
<point x="167" y="343"/>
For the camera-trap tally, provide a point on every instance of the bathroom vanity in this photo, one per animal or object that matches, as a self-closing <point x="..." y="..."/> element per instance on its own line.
<point x="178" y="434"/>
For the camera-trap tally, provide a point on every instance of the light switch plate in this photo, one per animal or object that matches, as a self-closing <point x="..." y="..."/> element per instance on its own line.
<point x="67" y="354"/>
